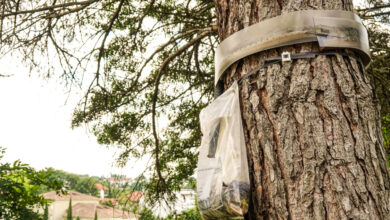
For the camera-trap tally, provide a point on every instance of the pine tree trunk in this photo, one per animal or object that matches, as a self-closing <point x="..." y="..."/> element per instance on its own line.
<point x="313" y="133"/>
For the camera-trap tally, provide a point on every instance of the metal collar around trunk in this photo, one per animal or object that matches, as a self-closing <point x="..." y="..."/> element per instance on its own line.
<point x="330" y="28"/>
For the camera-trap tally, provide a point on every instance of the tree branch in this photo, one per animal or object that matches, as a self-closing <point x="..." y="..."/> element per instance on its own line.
<point x="155" y="95"/>
<point x="162" y="47"/>
<point x="47" y="8"/>
<point x="373" y="8"/>
<point x="375" y="15"/>
<point x="107" y="32"/>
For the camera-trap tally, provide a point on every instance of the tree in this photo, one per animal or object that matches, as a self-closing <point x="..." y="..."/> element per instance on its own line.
<point x="386" y="134"/>
<point x="108" y="203"/>
<point x="147" y="214"/>
<point x="328" y="155"/>
<point x="78" y="218"/>
<point x="69" y="215"/>
<point x="191" y="39"/>
<point x="96" y="215"/>
<point x="191" y="214"/>
<point x="19" y="184"/>
<point x="46" y="213"/>
<point x="313" y="132"/>
<point x="80" y="183"/>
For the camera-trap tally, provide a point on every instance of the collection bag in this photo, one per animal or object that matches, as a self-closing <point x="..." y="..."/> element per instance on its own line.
<point x="222" y="172"/>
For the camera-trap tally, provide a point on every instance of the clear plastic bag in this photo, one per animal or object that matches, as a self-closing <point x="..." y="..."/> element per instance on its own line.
<point x="222" y="173"/>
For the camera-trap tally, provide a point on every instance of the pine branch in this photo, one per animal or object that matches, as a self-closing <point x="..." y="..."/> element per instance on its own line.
<point x="107" y="32"/>
<point x="155" y="95"/>
<point x="374" y="8"/>
<point x="48" y="8"/>
<point x="375" y="15"/>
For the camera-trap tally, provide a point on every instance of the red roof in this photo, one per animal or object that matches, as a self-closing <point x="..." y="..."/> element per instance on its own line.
<point x="71" y="194"/>
<point x="100" y="186"/>
<point x="134" y="196"/>
<point x="87" y="210"/>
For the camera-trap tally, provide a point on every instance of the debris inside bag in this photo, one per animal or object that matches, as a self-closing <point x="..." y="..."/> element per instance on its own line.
<point x="231" y="204"/>
<point x="222" y="174"/>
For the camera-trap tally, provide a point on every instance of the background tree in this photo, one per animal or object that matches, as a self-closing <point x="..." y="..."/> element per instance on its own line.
<point x="147" y="214"/>
<point x="96" y="215"/>
<point x="80" y="183"/>
<point x="131" y="100"/>
<point x="376" y="17"/>
<point x="19" y="186"/>
<point x="46" y="213"/>
<point x="191" y="214"/>
<point x="139" y="82"/>
<point x="69" y="215"/>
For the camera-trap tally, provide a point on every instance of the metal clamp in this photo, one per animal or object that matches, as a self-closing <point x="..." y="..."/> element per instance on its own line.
<point x="330" y="28"/>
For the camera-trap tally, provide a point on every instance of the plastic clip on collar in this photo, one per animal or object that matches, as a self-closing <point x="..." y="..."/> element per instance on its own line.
<point x="286" y="57"/>
<point x="330" y="28"/>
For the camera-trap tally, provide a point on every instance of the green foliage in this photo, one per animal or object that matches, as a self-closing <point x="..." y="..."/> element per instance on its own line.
<point x="386" y="135"/>
<point x="386" y="130"/>
<point x="46" y="213"/>
<point x="190" y="183"/>
<point x="117" y="191"/>
<point x="377" y="21"/>
<point x="80" y="183"/>
<point x="19" y="185"/>
<point x="147" y="214"/>
<point x="129" y="206"/>
<point x="69" y="211"/>
<point x="78" y="218"/>
<point x="191" y="214"/>
<point x="121" y="113"/>
<point x="379" y="69"/>
<point x="108" y="203"/>
<point x="96" y="215"/>
<point x="139" y="183"/>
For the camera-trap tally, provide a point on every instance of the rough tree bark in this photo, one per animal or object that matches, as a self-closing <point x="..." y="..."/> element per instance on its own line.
<point x="312" y="128"/>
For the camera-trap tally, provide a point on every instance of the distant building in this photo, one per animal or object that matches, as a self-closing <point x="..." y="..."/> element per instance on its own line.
<point x="86" y="211"/>
<point x="119" y="181"/>
<point x="101" y="189"/>
<point x="61" y="202"/>
<point x="83" y="206"/>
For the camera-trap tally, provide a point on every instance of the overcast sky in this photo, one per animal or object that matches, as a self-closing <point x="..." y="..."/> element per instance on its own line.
<point x="35" y="126"/>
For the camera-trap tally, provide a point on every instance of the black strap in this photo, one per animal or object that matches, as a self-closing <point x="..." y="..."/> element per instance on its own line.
<point x="306" y="55"/>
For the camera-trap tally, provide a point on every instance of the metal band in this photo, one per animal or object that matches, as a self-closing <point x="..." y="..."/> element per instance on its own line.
<point x="330" y="28"/>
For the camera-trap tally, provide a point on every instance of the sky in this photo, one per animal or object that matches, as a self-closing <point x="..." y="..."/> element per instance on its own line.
<point x="35" y="116"/>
